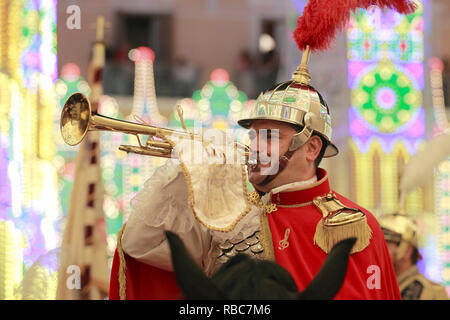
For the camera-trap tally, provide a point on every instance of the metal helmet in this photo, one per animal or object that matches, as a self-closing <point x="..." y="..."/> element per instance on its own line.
<point x="298" y="103"/>
<point x="398" y="227"/>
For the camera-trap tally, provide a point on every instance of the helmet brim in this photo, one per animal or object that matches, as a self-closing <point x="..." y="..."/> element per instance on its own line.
<point x="330" y="151"/>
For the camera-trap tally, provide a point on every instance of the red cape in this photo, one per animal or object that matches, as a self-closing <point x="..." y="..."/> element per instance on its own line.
<point x="144" y="282"/>
<point x="302" y="261"/>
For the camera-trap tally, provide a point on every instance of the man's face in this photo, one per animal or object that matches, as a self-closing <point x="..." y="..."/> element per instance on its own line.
<point x="392" y="248"/>
<point x="403" y="262"/>
<point x="272" y="139"/>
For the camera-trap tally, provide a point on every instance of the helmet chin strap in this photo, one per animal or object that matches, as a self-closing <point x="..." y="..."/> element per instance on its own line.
<point x="300" y="138"/>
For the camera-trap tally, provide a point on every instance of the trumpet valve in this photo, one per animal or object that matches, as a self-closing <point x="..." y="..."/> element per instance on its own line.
<point x="158" y="144"/>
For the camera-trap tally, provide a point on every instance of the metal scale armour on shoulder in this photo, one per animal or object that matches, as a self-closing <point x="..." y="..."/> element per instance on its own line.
<point x="250" y="245"/>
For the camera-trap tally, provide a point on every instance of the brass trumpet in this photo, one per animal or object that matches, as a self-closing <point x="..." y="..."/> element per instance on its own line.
<point x="77" y="119"/>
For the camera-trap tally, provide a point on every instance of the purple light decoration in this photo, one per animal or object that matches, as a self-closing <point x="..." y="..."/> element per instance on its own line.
<point x="429" y="265"/>
<point x="445" y="185"/>
<point x="354" y="69"/>
<point x="29" y="225"/>
<point x="30" y="57"/>
<point x="299" y="5"/>
<point x="5" y="186"/>
<point x="358" y="69"/>
<point x="410" y="134"/>
<point x="415" y="70"/>
<point x="55" y="17"/>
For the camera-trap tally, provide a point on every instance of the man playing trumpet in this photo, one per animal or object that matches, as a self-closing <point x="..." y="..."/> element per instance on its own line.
<point x="292" y="218"/>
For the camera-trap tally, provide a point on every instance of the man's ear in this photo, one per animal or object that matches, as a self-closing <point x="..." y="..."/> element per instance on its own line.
<point x="313" y="147"/>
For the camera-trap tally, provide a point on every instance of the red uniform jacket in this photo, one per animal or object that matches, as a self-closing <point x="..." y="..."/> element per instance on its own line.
<point x="370" y="274"/>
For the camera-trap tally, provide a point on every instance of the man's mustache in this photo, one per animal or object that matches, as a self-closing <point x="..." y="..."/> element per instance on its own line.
<point x="270" y="166"/>
<point x="256" y="159"/>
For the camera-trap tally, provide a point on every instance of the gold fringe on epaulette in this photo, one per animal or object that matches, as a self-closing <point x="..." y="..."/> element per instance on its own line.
<point x="327" y="236"/>
<point x="122" y="266"/>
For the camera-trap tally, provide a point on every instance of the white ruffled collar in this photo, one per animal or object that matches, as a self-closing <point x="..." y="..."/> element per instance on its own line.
<point x="294" y="185"/>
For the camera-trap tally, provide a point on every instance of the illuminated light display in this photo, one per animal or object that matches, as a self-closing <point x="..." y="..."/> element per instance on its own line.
<point x="40" y="282"/>
<point x="112" y="165"/>
<point x="442" y="178"/>
<point x="443" y="213"/>
<point x="386" y="117"/>
<point x="30" y="202"/>
<point x="387" y="125"/>
<point x="11" y="246"/>
<point x="70" y="82"/>
<point x="144" y="99"/>
<point x="219" y="104"/>
<point x="437" y="94"/>
<point x="137" y="168"/>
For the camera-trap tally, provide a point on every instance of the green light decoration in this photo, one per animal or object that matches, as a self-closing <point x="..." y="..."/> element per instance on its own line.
<point x="386" y="97"/>
<point x="219" y="104"/>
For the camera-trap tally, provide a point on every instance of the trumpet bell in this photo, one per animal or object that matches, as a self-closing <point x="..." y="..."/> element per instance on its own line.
<point x="75" y="118"/>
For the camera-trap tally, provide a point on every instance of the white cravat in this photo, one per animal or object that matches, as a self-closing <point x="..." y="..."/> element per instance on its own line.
<point x="294" y="185"/>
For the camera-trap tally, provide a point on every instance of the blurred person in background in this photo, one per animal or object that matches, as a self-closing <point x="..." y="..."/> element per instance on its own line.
<point x="400" y="233"/>
<point x="245" y="79"/>
<point x="185" y="76"/>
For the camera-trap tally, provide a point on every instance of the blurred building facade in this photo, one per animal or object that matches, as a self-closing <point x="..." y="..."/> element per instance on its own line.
<point x="195" y="35"/>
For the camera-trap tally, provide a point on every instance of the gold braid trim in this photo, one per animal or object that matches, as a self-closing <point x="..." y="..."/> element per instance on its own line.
<point x="255" y="199"/>
<point x="122" y="266"/>
<point x="266" y="238"/>
<point x="266" y="234"/>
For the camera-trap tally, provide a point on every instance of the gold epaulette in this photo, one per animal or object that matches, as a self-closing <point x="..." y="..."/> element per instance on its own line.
<point x="340" y="222"/>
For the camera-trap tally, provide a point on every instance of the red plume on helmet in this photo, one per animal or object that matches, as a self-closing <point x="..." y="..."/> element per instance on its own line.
<point x="321" y="19"/>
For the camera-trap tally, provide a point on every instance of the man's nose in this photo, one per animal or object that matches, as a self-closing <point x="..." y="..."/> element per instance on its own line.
<point x="260" y="145"/>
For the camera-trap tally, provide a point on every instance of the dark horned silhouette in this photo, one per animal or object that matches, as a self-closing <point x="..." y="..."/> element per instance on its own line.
<point x="245" y="278"/>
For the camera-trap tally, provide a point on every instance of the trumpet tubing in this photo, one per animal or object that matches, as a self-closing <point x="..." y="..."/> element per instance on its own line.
<point x="163" y="153"/>
<point x="77" y="119"/>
